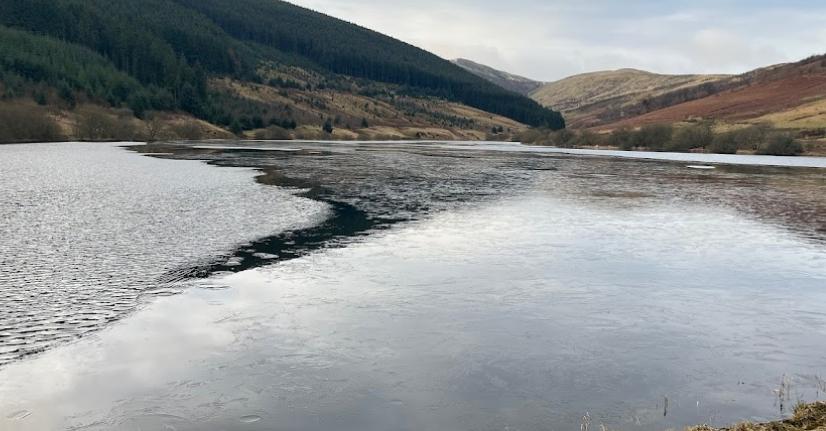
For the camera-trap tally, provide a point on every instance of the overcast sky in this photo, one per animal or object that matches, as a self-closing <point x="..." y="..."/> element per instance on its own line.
<point x="551" y="39"/>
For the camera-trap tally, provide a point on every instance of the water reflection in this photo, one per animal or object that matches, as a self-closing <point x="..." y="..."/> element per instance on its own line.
<point x="472" y="318"/>
<point x="521" y="292"/>
<point x="397" y="182"/>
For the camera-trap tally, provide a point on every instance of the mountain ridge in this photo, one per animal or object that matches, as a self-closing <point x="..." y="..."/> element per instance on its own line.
<point x="789" y="96"/>
<point x="517" y="84"/>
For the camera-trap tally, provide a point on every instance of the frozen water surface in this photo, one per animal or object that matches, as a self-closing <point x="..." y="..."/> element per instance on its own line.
<point x="471" y="289"/>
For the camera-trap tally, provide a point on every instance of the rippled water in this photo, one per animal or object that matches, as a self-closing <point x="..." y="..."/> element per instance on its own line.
<point x="88" y="228"/>
<point x="489" y="289"/>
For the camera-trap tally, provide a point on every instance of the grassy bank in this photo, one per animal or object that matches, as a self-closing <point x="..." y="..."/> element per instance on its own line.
<point x="26" y="121"/>
<point x="807" y="417"/>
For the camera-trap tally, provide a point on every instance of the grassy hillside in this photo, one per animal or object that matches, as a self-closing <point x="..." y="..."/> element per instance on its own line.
<point x="787" y="96"/>
<point x="597" y="98"/>
<point x="170" y="55"/>
<point x="776" y="110"/>
<point x="517" y="84"/>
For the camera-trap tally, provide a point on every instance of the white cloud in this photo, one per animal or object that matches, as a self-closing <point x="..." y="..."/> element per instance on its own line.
<point x="725" y="50"/>
<point x="547" y="40"/>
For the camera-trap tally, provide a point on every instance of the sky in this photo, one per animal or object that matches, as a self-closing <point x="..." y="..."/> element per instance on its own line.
<point x="551" y="39"/>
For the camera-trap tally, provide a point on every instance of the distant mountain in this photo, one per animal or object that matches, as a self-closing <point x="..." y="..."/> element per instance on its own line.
<point x="508" y="81"/>
<point x="240" y="65"/>
<point x="598" y="98"/>
<point x="789" y="96"/>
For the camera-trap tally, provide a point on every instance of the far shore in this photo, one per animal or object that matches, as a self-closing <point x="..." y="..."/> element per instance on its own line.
<point x="816" y="150"/>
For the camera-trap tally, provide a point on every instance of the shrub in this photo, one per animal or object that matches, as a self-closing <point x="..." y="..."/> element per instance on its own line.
<point x="310" y="134"/>
<point x="690" y="137"/>
<point x="328" y="126"/>
<point x="189" y="130"/>
<point x="27" y="124"/>
<point x="588" y="138"/>
<point x="750" y="138"/>
<point x="725" y="143"/>
<point x="40" y="98"/>
<point x="235" y="127"/>
<point x="154" y="128"/>
<point x="622" y="139"/>
<point x="780" y="144"/>
<point x="654" y="137"/>
<point x="531" y="136"/>
<point x="95" y="125"/>
<point x="563" y="138"/>
<point x="273" y="133"/>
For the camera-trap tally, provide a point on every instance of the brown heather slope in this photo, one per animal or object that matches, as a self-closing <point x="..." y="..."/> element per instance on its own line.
<point x="593" y="99"/>
<point x="786" y="96"/>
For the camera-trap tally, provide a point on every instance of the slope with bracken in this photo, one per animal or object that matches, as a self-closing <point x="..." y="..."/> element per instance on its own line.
<point x="788" y="96"/>
<point x="597" y="98"/>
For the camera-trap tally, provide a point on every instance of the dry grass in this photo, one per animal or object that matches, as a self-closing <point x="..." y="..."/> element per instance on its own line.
<point x="750" y="103"/>
<point x="630" y="85"/>
<point x="23" y="121"/>
<point x="807" y="417"/>
<point x="787" y="96"/>
<point x="585" y="98"/>
<point x="375" y="133"/>
<point x="815" y="148"/>
<point x="399" y="117"/>
<point x="808" y="116"/>
<point x="185" y="127"/>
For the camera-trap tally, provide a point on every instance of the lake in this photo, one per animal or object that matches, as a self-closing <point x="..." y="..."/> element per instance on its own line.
<point x="410" y="286"/>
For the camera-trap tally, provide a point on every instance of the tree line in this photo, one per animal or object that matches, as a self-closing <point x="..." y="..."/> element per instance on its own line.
<point x="757" y="139"/>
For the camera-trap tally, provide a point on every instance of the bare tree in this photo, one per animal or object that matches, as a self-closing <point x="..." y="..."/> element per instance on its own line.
<point x="154" y="128"/>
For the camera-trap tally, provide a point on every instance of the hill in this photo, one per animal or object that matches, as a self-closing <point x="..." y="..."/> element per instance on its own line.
<point x="787" y="96"/>
<point x="238" y="66"/>
<point x="508" y="81"/>
<point x="775" y="110"/>
<point x="597" y="98"/>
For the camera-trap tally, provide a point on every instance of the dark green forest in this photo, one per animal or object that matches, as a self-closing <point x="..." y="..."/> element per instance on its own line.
<point x="159" y="54"/>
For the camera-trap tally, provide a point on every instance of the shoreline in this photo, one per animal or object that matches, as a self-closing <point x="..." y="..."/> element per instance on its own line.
<point x="806" y="417"/>
<point x="802" y="161"/>
<point x="739" y="153"/>
<point x="711" y="159"/>
<point x="812" y="154"/>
